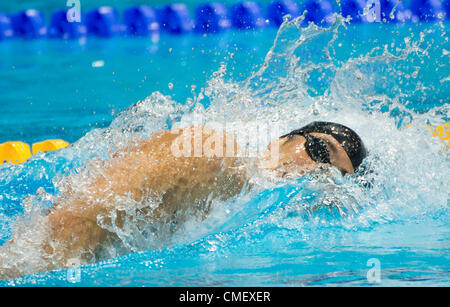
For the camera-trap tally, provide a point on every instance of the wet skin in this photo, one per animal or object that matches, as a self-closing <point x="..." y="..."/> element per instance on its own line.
<point x="162" y="186"/>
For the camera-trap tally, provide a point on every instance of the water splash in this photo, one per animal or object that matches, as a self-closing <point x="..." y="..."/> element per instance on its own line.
<point x="307" y="75"/>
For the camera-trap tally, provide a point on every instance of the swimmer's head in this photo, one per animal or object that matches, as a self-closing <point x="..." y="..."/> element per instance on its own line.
<point x="320" y="144"/>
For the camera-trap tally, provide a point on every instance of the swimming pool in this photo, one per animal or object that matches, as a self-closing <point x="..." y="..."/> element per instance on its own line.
<point x="387" y="81"/>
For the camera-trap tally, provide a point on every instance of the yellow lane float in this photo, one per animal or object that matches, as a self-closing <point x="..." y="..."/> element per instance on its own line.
<point x="18" y="152"/>
<point x="49" y="145"/>
<point x="442" y="132"/>
<point x="14" y="152"/>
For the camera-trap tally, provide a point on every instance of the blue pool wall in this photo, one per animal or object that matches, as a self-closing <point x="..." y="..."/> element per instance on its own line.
<point x="208" y="17"/>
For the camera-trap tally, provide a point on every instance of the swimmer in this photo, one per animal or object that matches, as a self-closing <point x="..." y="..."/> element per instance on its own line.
<point x="150" y="172"/>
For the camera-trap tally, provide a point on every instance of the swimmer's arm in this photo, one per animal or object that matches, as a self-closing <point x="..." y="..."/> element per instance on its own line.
<point x="144" y="170"/>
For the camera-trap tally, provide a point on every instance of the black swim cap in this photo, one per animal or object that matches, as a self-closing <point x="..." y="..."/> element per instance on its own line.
<point x="349" y="139"/>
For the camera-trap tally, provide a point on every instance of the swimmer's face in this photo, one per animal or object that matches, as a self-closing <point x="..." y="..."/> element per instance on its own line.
<point x="293" y="159"/>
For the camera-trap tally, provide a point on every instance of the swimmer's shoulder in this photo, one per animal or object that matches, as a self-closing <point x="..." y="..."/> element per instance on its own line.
<point x="196" y="134"/>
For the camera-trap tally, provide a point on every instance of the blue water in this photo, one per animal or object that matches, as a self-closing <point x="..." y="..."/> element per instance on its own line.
<point x="302" y="232"/>
<point x="65" y="91"/>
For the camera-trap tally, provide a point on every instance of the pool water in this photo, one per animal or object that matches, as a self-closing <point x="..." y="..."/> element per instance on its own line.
<point x="388" y="82"/>
<point x="123" y="70"/>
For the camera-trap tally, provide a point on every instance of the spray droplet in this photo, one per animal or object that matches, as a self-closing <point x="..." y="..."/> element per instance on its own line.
<point x="97" y="64"/>
<point x="170" y="85"/>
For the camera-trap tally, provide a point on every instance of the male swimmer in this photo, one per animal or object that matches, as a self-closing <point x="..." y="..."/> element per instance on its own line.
<point x="146" y="173"/>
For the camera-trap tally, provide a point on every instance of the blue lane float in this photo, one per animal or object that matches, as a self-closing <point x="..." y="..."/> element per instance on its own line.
<point x="211" y="17"/>
<point x="29" y="24"/>
<point x="104" y="22"/>
<point x="141" y="20"/>
<point x="393" y="10"/>
<point x="447" y="8"/>
<point x="354" y="9"/>
<point x="388" y="11"/>
<point x="406" y="16"/>
<point x="278" y="9"/>
<point x="319" y="11"/>
<point x="61" y="27"/>
<point x="247" y="15"/>
<point x="176" y="19"/>
<point x="6" y="29"/>
<point x="427" y="10"/>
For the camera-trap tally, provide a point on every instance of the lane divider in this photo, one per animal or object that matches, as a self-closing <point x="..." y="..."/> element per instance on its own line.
<point x="17" y="152"/>
<point x="143" y="20"/>
<point x="442" y="132"/>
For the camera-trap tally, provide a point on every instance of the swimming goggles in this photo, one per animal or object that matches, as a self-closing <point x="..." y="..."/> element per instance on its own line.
<point x="316" y="148"/>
